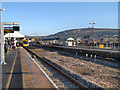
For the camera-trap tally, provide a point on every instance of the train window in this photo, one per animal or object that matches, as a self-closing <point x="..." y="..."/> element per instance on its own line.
<point x="25" y="42"/>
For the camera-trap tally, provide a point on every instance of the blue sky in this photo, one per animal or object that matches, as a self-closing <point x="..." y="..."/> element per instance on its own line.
<point x="38" y="18"/>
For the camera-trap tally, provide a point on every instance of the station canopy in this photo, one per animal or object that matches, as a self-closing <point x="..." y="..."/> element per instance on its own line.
<point x="14" y="35"/>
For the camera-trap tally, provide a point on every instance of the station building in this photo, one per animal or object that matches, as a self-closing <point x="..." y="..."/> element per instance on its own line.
<point x="67" y="41"/>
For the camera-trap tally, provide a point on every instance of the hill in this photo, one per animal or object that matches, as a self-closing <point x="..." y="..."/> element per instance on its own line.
<point x="84" y="32"/>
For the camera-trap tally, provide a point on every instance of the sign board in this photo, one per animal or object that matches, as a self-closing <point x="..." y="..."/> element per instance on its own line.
<point x="11" y="29"/>
<point x="86" y="36"/>
<point x="8" y="31"/>
<point x="16" y="28"/>
<point x="101" y="46"/>
<point x="11" y="23"/>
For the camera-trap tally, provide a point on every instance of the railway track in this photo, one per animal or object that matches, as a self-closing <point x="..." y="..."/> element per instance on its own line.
<point x="73" y="66"/>
<point x="65" y="80"/>
<point x="98" y="59"/>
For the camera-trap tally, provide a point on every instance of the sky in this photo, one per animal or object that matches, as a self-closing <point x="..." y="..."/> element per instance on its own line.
<point x="44" y="18"/>
<point x="60" y="0"/>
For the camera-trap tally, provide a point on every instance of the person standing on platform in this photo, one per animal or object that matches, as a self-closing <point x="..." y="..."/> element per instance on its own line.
<point x="13" y="45"/>
<point x="6" y="46"/>
<point x="10" y="45"/>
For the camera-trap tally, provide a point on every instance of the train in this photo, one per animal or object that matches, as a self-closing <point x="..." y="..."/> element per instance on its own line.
<point x="25" y="43"/>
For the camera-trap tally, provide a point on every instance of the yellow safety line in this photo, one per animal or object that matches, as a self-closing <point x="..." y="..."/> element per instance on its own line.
<point x="9" y="80"/>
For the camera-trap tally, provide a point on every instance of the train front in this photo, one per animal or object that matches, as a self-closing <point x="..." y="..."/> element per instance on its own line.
<point x="25" y="43"/>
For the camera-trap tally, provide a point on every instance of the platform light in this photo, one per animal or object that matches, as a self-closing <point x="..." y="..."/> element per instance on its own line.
<point x="2" y="41"/>
<point x="92" y="29"/>
<point x="92" y="23"/>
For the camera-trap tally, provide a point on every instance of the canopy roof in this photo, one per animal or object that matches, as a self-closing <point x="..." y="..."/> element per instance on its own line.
<point x="15" y="34"/>
<point x="72" y="39"/>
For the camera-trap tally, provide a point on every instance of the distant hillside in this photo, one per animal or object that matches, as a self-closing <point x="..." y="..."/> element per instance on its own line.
<point x="84" y="31"/>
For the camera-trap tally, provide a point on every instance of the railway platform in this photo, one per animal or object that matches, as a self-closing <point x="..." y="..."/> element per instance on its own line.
<point x="21" y="71"/>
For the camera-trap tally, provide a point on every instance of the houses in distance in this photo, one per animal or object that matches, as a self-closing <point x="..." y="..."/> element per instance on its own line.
<point x="75" y="37"/>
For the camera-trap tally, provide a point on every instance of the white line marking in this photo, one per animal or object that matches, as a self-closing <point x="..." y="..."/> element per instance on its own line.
<point x="43" y="71"/>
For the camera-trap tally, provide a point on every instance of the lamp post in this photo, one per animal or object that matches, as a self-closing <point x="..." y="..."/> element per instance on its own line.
<point x="2" y="39"/>
<point x="92" y="23"/>
<point x="92" y="30"/>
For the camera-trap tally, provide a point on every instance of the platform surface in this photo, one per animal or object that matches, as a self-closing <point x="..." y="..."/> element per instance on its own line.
<point x="21" y="71"/>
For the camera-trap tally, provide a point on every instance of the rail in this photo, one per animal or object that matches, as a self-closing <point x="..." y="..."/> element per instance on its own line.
<point x="65" y="74"/>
